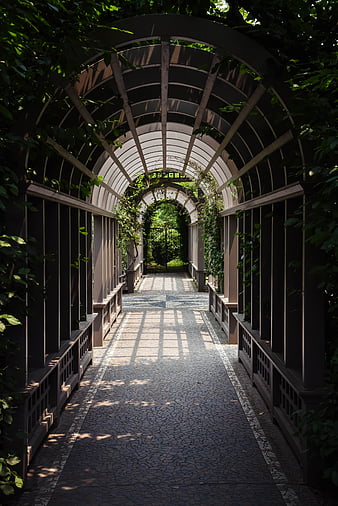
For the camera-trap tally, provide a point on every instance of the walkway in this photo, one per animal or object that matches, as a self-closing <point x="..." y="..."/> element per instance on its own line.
<point x="163" y="418"/>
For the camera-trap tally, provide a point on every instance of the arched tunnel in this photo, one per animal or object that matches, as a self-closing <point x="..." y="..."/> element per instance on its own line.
<point x="191" y="100"/>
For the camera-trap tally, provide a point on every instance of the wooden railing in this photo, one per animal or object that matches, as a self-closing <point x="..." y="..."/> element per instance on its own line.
<point x="198" y="276"/>
<point x="280" y="387"/>
<point x="224" y="313"/>
<point x="133" y="277"/>
<point x="107" y="312"/>
<point x="49" y="388"/>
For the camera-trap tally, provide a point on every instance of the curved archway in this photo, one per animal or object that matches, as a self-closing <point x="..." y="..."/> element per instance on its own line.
<point x="179" y="94"/>
<point x="194" y="97"/>
<point x="197" y="98"/>
<point x="174" y="193"/>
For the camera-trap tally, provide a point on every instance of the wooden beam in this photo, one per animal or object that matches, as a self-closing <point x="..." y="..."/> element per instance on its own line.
<point x="202" y="106"/>
<point x="79" y="165"/>
<point x="285" y="193"/>
<point x="244" y="113"/>
<point x="274" y="146"/>
<point x="71" y="92"/>
<point x="165" y="62"/>
<point x="116" y="67"/>
<point x="36" y="190"/>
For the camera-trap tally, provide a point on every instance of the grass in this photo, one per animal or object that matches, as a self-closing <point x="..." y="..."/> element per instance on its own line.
<point x="175" y="265"/>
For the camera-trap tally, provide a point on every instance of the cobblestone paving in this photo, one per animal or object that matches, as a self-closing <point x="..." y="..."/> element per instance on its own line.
<point x="158" y="421"/>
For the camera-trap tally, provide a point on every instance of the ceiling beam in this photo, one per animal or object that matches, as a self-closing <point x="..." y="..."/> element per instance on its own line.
<point x="288" y="192"/>
<point x="165" y="62"/>
<point x="116" y="67"/>
<point x="81" y="108"/>
<point x="42" y="192"/>
<point x="244" y="113"/>
<point x="66" y="155"/>
<point x="271" y="148"/>
<point x="208" y="87"/>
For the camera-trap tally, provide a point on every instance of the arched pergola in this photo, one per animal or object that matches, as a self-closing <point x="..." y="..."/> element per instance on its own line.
<point x="194" y="97"/>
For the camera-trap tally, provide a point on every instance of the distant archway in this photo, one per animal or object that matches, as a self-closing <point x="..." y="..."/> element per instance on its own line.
<point x="165" y="237"/>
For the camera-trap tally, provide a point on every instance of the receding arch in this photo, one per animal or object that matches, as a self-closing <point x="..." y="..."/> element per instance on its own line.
<point x="178" y="107"/>
<point x="173" y="193"/>
<point x="217" y="109"/>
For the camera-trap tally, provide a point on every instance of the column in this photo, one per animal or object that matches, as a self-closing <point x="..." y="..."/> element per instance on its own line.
<point x="265" y="274"/>
<point x="89" y="263"/>
<point x="75" y="270"/>
<point x="83" y="263"/>
<point x="52" y="269"/>
<point x="277" y="277"/>
<point x="255" y="264"/>
<point x="65" y="279"/>
<point x="293" y="290"/>
<point x="98" y="293"/>
<point x="36" y="299"/>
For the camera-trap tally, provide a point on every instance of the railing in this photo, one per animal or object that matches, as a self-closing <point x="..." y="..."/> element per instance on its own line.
<point x="38" y="404"/>
<point x="107" y="311"/>
<point x="133" y="276"/>
<point x="48" y="389"/>
<point x="223" y="312"/>
<point x="198" y="276"/>
<point x="280" y="387"/>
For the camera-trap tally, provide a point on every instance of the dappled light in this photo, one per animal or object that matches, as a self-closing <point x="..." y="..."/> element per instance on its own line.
<point x="161" y="414"/>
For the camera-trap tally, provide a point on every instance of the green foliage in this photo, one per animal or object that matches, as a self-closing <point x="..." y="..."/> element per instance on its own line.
<point x="83" y="190"/>
<point x="9" y="479"/>
<point x="163" y="234"/>
<point x="165" y="214"/>
<point x="14" y="276"/>
<point x="320" y="427"/>
<point x="209" y="207"/>
<point x="165" y="245"/>
<point x="127" y="214"/>
<point x="213" y="251"/>
<point x="302" y="35"/>
<point x="313" y="78"/>
<point x="208" y="130"/>
<point x="39" y="41"/>
<point x="190" y="7"/>
<point x="249" y="263"/>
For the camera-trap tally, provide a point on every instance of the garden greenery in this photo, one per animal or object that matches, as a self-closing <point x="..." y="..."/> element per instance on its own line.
<point x="41" y="40"/>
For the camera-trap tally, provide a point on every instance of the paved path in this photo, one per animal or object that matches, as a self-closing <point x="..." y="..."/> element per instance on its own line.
<point x="162" y="418"/>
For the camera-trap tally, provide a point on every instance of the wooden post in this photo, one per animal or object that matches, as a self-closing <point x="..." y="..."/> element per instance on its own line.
<point x="36" y="299"/>
<point x="52" y="271"/>
<point x="265" y="274"/>
<point x="255" y="279"/>
<point x="293" y="290"/>
<point x="65" y="284"/>
<point x="277" y="278"/>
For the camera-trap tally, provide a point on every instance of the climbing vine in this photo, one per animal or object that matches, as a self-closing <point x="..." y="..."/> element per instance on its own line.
<point x="127" y="214"/>
<point x="210" y="204"/>
<point x="39" y="40"/>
